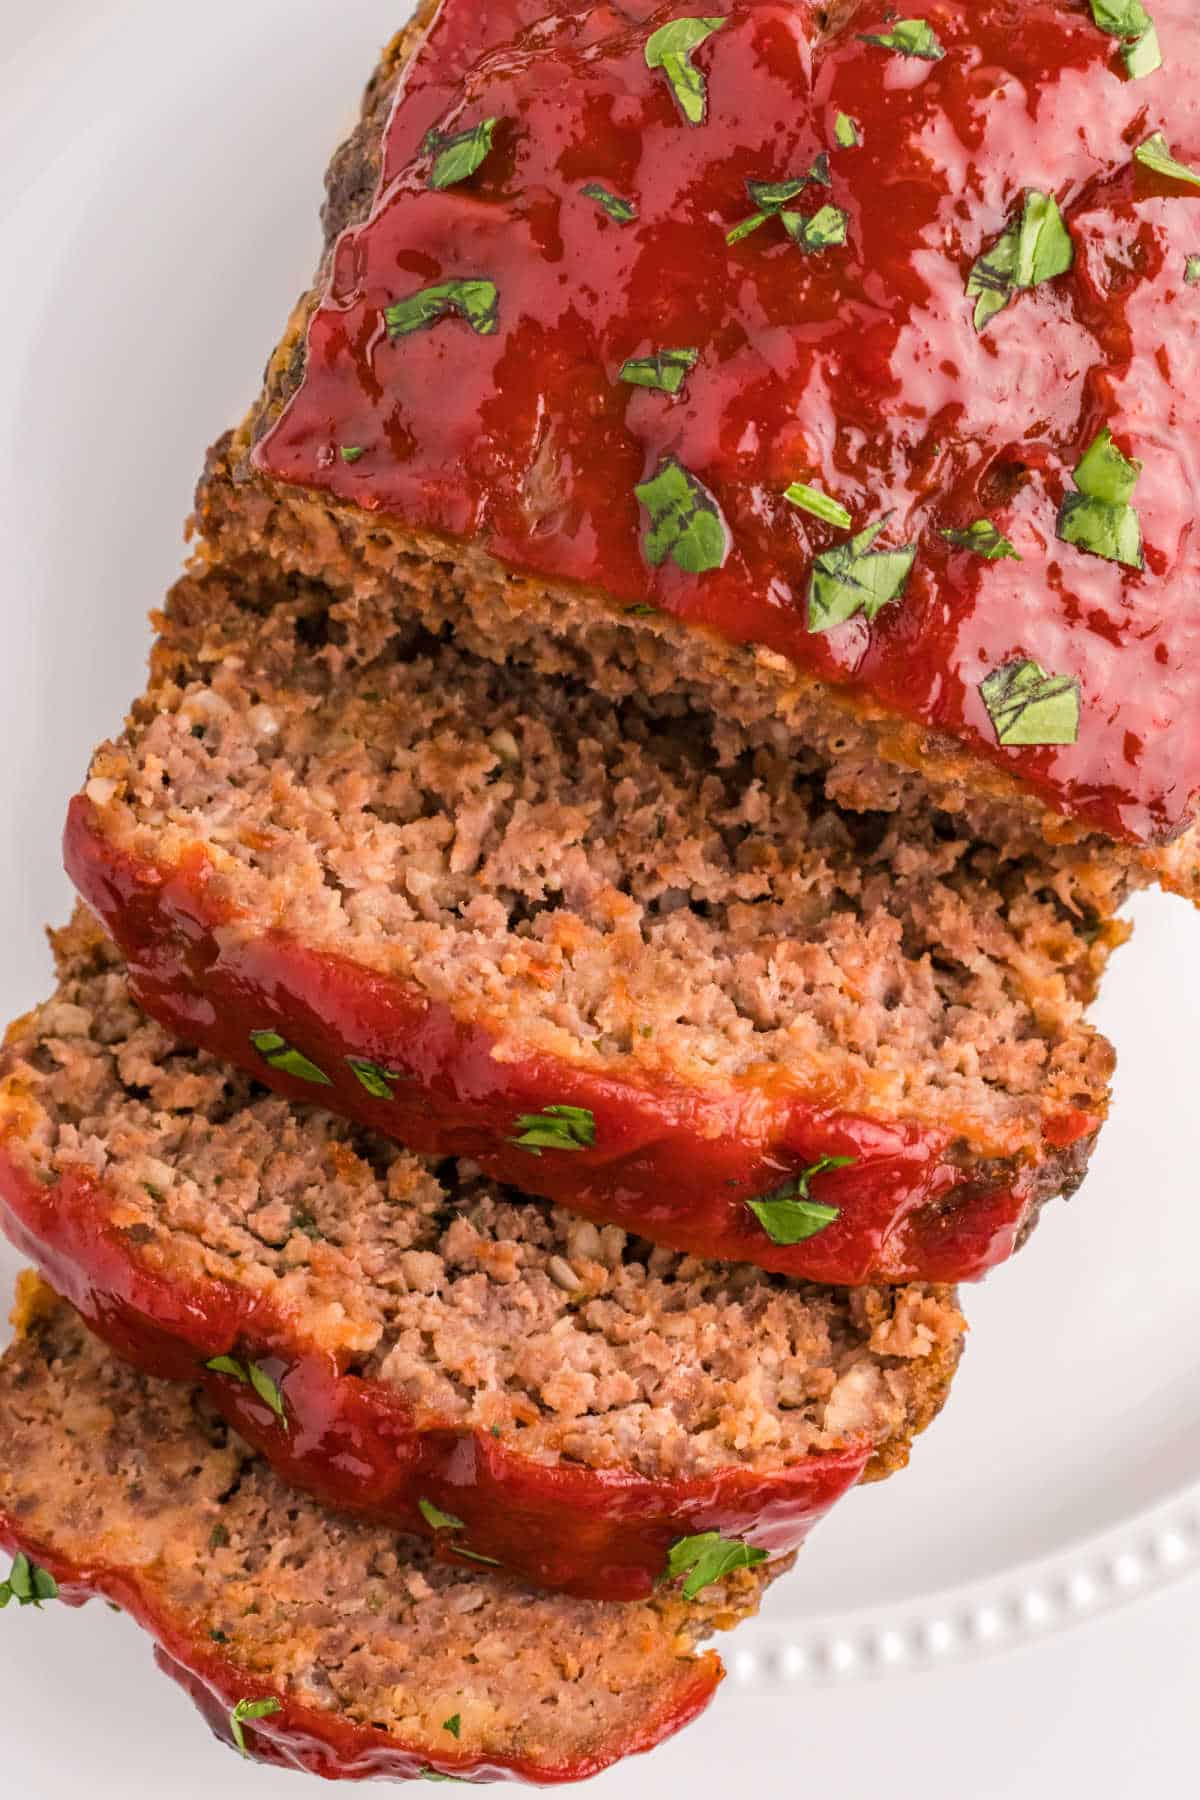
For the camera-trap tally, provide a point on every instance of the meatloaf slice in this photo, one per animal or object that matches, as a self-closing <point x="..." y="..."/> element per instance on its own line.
<point x="562" y="383"/>
<point x="415" y="1344"/>
<point x="614" y="954"/>
<point x="321" y="1643"/>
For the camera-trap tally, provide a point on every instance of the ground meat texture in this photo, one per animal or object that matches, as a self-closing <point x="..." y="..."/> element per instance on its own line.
<point x="872" y="758"/>
<point x="367" y="1646"/>
<point x="600" y="893"/>
<point x="609" y="1397"/>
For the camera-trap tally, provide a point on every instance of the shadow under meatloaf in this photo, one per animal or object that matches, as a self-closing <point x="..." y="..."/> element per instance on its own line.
<point x="330" y="523"/>
<point x="617" y="956"/>
<point x="414" y="1344"/>
<point x="322" y="1644"/>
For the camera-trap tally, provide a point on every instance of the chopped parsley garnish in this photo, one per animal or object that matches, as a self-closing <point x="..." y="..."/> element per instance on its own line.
<point x="432" y="1775"/>
<point x="685" y="521"/>
<point x="1036" y="248"/>
<point x="709" y="1557"/>
<point x="1191" y="273"/>
<point x="623" y="212"/>
<point x="453" y="1725"/>
<point x="666" y="370"/>
<point x="790" y="1215"/>
<point x="492" y="1562"/>
<point x="27" y="1584"/>
<point x="476" y="300"/>
<point x="437" y="1520"/>
<point x="1099" y="519"/>
<point x="985" y="540"/>
<point x="352" y="453"/>
<point x="556" y="1128"/>
<point x="1129" y="20"/>
<point x="847" y="132"/>
<point x="670" y="49"/>
<point x="459" y="156"/>
<point x="911" y="37"/>
<point x="244" y="1711"/>
<point x="1029" y="707"/>
<point x="377" y="1081"/>
<point x="1155" y="155"/>
<point x="854" y="578"/>
<point x="819" y="504"/>
<point x="254" y="1377"/>
<point x="278" y="1054"/>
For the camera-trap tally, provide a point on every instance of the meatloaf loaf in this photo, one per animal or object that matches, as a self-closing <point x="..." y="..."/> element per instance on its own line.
<point x="614" y="953"/>
<point x="837" y="371"/>
<point x="309" y="1640"/>
<point x="419" y="1346"/>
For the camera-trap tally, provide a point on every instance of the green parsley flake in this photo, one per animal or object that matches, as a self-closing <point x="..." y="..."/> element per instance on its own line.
<point x="670" y="49"/>
<point x="622" y="212"/>
<point x="771" y="198"/>
<point x="475" y="300"/>
<point x="438" y="1520"/>
<point x="377" y="1081"/>
<point x="847" y="132"/>
<point x="825" y="230"/>
<point x="910" y="37"/>
<point x="27" y="1584"/>
<point x="1036" y="248"/>
<point x="1099" y="519"/>
<point x="666" y="370"/>
<point x="278" y="1054"/>
<point x="254" y="1377"/>
<point x="453" y="1725"/>
<point x="1191" y="273"/>
<point x="246" y="1710"/>
<point x="686" y="523"/>
<point x="1129" y="20"/>
<point x="556" y="1128"/>
<point x="819" y="504"/>
<point x="352" y="453"/>
<point x="1155" y="155"/>
<point x="984" y="539"/>
<point x="790" y="1215"/>
<point x="709" y="1557"/>
<point x="1029" y="707"/>
<point x="854" y="578"/>
<point x="459" y="156"/>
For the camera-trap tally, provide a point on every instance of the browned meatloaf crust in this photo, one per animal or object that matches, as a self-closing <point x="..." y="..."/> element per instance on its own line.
<point x="332" y="1646"/>
<point x="575" y="1399"/>
<point x="602" y="894"/>
<point x="872" y="760"/>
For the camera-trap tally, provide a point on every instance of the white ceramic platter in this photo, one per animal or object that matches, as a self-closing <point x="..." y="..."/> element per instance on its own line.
<point x="159" y="175"/>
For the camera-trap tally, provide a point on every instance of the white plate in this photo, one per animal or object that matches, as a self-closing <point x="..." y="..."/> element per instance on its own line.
<point x="161" y="181"/>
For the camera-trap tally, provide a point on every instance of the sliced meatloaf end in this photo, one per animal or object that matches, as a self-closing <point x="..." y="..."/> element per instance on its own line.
<point x="317" y="1642"/>
<point x="614" y="953"/>
<point x="506" y="468"/>
<point x="413" y="1343"/>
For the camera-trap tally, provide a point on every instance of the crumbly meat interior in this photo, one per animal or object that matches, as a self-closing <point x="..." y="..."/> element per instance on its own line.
<point x="484" y="1309"/>
<point x="631" y="887"/>
<point x="115" y="1472"/>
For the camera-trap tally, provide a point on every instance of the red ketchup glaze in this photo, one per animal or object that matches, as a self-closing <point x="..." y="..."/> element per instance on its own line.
<point x="857" y="370"/>
<point x="305" y="1737"/>
<point x="672" y="1162"/>
<point x="356" y="1444"/>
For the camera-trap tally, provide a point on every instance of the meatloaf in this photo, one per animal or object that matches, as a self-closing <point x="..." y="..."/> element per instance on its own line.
<point x="839" y="373"/>
<point x="414" y="1343"/>
<point x="614" y="953"/>
<point x="310" y="1640"/>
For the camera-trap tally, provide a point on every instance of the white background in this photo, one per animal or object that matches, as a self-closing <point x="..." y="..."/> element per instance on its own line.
<point x="160" y="168"/>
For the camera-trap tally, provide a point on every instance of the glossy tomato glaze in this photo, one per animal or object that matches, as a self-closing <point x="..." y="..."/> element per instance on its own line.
<point x="673" y="1162"/>
<point x="857" y="370"/>
<point x="305" y="1737"/>
<point x="355" y="1444"/>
